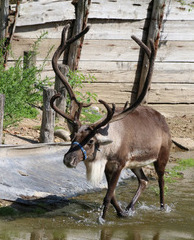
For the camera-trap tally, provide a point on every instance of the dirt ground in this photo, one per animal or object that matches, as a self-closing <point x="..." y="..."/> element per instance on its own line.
<point x="28" y="130"/>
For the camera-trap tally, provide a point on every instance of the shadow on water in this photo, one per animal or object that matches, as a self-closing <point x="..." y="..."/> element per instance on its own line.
<point x="55" y="218"/>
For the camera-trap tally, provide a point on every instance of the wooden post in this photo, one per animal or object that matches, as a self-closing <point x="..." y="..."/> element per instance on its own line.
<point x="2" y="103"/>
<point x="4" y="13"/>
<point x="61" y="103"/>
<point x="48" y="117"/>
<point x="154" y="34"/>
<point x="81" y="12"/>
<point x="29" y="59"/>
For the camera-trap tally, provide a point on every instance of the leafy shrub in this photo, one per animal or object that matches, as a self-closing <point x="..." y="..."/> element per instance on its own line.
<point x="77" y="80"/>
<point x="22" y="88"/>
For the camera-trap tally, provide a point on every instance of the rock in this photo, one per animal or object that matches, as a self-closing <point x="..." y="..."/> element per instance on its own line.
<point x="184" y="143"/>
<point x="95" y="108"/>
<point x="63" y="134"/>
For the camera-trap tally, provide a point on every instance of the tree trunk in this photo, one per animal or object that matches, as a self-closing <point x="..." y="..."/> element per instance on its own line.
<point x="61" y="103"/>
<point x="48" y="117"/>
<point x="81" y="12"/>
<point x="4" y="13"/>
<point x="29" y="59"/>
<point x="154" y="34"/>
<point x="2" y="103"/>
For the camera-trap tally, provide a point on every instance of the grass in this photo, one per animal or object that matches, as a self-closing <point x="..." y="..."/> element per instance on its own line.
<point x="90" y="116"/>
<point x="10" y="211"/>
<point x="7" y="211"/>
<point x="174" y="174"/>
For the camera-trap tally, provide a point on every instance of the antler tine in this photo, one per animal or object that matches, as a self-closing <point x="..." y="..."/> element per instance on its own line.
<point x="142" y="45"/>
<point x="151" y="56"/>
<point x="125" y="106"/>
<point x="103" y="121"/>
<point x="63" y="114"/>
<point x="69" y="117"/>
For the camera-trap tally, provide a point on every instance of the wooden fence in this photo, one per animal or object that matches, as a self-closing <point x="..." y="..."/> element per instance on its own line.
<point x="111" y="56"/>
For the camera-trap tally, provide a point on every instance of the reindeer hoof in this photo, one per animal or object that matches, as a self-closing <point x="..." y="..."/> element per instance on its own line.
<point x="162" y="207"/>
<point x="101" y="220"/>
<point x="122" y="214"/>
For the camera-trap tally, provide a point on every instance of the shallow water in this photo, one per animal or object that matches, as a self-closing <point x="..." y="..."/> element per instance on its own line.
<point x="78" y="219"/>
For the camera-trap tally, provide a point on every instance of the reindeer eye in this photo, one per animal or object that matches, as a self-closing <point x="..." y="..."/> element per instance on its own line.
<point x="91" y="141"/>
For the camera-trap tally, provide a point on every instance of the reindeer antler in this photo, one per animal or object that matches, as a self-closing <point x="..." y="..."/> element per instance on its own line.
<point x="110" y="111"/>
<point x="103" y="121"/>
<point x="151" y="53"/>
<point x="76" y="106"/>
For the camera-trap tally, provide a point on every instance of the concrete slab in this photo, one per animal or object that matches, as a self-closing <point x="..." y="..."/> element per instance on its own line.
<point x="36" y="171"/>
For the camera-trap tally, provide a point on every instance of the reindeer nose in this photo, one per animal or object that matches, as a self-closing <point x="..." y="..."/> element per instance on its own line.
<point x="70" y="162"/>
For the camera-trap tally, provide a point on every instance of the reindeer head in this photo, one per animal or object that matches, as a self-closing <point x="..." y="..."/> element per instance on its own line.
<point x="84" y="138"/>
<point x="85" y="142"/>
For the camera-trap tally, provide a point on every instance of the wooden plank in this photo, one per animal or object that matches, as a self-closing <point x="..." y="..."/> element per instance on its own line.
<point x="176" y="51"/>
<point x="131" y="66"/>
<point x="159" y="93"/>
<point x="21" y="45"/>
<point x="109" y="67"/>
<point x="100" y="29"/>
<point x="175" y="11"/>
<point x="125" y="71"/>
<point x="53" y="11"/>
<point x="117" y="50"/>
<point x="173" y="110"/>
<point x="177" y="31"/>
<point x="112" y="92"/>
<point x="106" y="50"/>
<point x="168" y="110"/>
<point x="112" y="50"/>
<point x="169" y="77"/>
<point x="103" y="66"/>
<point x="168" y="93"/>
<point x="171" y="93"/>
<point x="172" y="30"/>
<point x="120" y="9"/>
<point x="33" y="13"/>
<point x="102" y="77"/>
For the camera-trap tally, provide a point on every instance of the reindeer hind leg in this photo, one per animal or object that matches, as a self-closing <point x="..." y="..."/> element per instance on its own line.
<point x="143" y="181"/>
<point x="160" y="165"/>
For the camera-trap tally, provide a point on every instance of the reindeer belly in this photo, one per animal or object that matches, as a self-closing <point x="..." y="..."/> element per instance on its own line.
<point x="140" y="158"/>
<point x="138" y="164"/>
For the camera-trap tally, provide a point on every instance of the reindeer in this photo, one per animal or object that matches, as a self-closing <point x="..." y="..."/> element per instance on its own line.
<point x="132" y="137"/>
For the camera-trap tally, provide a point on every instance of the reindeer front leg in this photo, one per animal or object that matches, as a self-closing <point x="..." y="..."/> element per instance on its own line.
<point x="114" y="202"/>
<point x="112" y="180"/>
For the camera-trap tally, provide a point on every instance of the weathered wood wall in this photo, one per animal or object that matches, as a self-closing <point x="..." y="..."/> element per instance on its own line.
<point x="111" y="56"/>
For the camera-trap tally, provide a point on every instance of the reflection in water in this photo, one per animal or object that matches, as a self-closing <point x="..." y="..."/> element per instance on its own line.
<point x="78" y="219"/>
<point x="108" y="234"/>
<point x="104" y="234"/>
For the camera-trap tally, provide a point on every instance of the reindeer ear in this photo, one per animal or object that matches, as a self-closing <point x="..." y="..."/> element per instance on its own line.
<point x="103" y="140"/>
